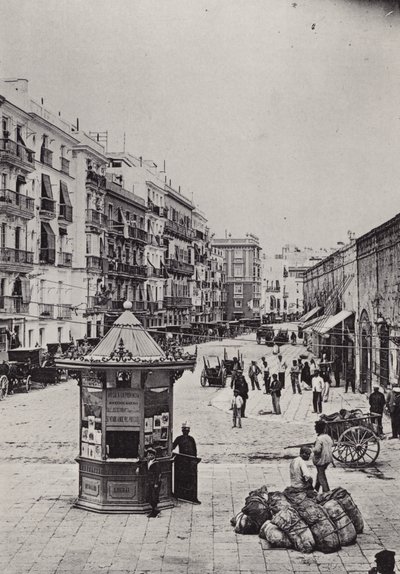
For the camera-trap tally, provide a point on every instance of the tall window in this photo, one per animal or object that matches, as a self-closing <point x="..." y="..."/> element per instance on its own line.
<point x="3" y="236"/>
<point x="41" y="336"/>
<point x="238" y="289"/>
<point x="238" y="270"/>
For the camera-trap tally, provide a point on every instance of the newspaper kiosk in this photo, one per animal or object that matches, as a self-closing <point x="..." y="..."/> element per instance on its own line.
<point x="126" y="405"/>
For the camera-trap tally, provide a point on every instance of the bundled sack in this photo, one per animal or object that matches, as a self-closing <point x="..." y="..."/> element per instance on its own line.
<point x="345" y="528"/>
<point x="277" y="501"/>
<point x="257" y="509"/>
<point x="295" y="528"/>
<point x="245" y="525"/>
<point x="263" y="491"/>
<point x="321" y="526"/>
<point x="275" y="537"/>
<point x="296" y="496"/>
<point x="343" y="497"/>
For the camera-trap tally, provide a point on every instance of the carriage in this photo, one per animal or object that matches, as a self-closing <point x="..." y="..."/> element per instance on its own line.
<point x="229" y="363"/>
<point x="355" y="439"/>
<point x="213" y="373"/>
<point x="25" y="366"/>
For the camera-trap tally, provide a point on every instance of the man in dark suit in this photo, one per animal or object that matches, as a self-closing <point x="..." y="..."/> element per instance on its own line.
<point x="153" y="482"/>
<point x="185" y="466"/>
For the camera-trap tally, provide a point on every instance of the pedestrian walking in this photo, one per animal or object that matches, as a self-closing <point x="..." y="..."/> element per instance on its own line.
<point x="313" y="367"/>
<point x="377" y="403"/>
<point x="336" y="369"/>
<point x="267" y="376"/>
<point x="275" y="390"/>
<point x="350" y="380"/>
<point x="295" y="377"/>
<point x="393" y="404"/>
<point x="254" y="371"/>
<point x="317" y="387"/>
<point x="306" y="376"/>
<point x="237" y="403"/>
<point x="327" y="386"/>
<point x="235" y="367"/>
<point x="282" y="366"/>
<point x="322" y="452"/>
<point x="242" y="387"/>
<point x="153" y="482"/>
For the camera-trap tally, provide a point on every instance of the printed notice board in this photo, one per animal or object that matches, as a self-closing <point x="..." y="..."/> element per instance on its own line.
<point x="123" y="409"/>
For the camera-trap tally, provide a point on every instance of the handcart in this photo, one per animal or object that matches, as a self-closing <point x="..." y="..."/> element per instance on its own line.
<point x="213" y="373"/>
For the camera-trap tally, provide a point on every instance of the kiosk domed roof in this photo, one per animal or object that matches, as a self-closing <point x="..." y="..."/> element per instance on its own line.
<point x="135" y="340"/>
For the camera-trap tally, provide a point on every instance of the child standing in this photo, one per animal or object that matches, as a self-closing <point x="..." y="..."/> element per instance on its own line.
<point x="237" y="403"/>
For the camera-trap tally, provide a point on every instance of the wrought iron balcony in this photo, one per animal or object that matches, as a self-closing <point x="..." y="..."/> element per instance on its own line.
<point x="272" y="289"/>
<point x="63" y="311"/>
<point x="96" y="264"/>
<point x="177" y="302"/>
<point x="138" y="234"/>
<point x="65" y="259"/>
<point x="135" y="271"/>
<point x="13" y="203"/>
<point x="95" y="179"/>
<point x="15" y="259"/>
<point x="65" y="213"/>
<point x="47" y="208"/>
<point x="137" y="306"/>
<point x="46" y="310"/>
<point x="174" y="228"/>
<point x="47" y="255"/>
<point x="177" y="266"/>
<point x="16" y="154"/>
<point x="96" y="219"/>
<point x="13" y="305"/>
<point x="46" y="156"/>
<point x="64" y="165"/>
<point x="154" y="271"/>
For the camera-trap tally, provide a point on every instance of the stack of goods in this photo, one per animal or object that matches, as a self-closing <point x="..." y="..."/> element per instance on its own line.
<point x="302" y="520"/>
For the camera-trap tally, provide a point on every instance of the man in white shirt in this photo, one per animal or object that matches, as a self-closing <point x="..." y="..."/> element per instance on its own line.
<point x="282" y="366"/>
<point x="237" y="404"/>
<point x="317" y="387"/>
<point x="300" y="475"/>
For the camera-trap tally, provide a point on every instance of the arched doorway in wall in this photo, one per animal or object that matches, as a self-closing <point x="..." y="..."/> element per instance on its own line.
<point x="365" y="352"/>
<point x="383" y="354"/>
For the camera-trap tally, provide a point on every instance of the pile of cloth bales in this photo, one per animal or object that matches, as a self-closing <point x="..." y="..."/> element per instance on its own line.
<point x="303" y="520"/>
<point x="342" y="415"/>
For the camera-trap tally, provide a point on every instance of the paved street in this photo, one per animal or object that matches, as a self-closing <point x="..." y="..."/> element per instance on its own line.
<point x="41" y="532"/>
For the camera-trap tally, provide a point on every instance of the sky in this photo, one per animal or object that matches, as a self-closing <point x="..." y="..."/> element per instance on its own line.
<point x="281" y="118"/>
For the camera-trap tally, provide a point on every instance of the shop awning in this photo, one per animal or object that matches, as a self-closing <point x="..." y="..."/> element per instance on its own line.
<point x="328" y="323"/>
<point x="309" y="316"/>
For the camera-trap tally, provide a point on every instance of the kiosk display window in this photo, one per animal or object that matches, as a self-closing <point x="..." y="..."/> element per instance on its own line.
<point x="91" y="415"/>
<point x="156" y="419"/>
<point x="122" y="421"/>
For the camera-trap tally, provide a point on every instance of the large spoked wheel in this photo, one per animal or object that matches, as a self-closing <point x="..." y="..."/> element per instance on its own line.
<point x="3" y="387"/>
<point x="28" y="383"/>
<point x="358" y="446"/>
<point x="203" y="378"/>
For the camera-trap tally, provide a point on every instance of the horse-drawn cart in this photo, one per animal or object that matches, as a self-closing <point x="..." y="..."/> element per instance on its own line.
<point x="213" y="373"/>
<point x="355" y="440"/>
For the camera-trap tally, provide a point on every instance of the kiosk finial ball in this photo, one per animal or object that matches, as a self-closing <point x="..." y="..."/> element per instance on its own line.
<point x="127" y="305"/>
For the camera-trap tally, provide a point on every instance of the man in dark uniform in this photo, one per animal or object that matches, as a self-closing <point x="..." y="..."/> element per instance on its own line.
<point x="242" y="387"/>
<point x="153" y="482"/>
<point x="385" y="563"/>
<point x="185" y="483"/>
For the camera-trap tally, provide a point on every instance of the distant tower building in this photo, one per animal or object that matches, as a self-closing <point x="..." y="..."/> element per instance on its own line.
<point x="242" y="267"/>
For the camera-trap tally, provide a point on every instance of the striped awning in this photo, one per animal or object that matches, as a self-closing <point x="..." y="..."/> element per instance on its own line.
<point x="327" y="323"/>
<point x="305" y="318"/>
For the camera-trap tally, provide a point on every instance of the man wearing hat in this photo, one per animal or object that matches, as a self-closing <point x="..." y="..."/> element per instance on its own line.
<point x="242" y="388"/>
<point x="384" y="563"/>
<point x="153" y="482"/>
<point x="393" y="404"/>
<point x="185" y="466"/>
<point x="376" y="405"/>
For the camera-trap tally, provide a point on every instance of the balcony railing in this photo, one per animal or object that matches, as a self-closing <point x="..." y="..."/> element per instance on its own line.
<point x="13" y="152"/>
<point x="46" y="156"/>
<point x="137" y="306"/>
<point x="63" y="311"/>
<point x="139" y="234"/>
<point x="96" y="179"/>
<point x="95" y="218"/>
<point x="64" y="165"/>
<point x="177" y="301"/>
<point x="177" y="229"/>
<point x="47" y="207"/>
<point x="272" y="289"/>
<point x="180" y="266"/>
<point x="46" y="310"/>
<point x="13" y="305"/>
<point x="96" y="264"/>
<point x="17" y="204"/>
<point x="116" y="267"/>
<point x="154" y="271"/>
<point x="15" y="256"/>
<point x="65" y="259"/>
<point x="47" y="255"/>
<point x="65" y="213"/>
<point x="157" y="209"/>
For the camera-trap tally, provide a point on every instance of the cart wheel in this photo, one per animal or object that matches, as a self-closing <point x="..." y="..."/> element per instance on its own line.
<point x="3" y="387"/>
<point x="203" y="378"/>
<point x="357" y="446"/>
<point x="28" y="383"/>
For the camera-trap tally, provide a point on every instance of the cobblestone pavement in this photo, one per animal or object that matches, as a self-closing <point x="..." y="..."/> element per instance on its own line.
<point x="41" y="532"/>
